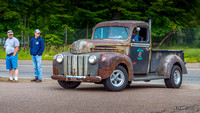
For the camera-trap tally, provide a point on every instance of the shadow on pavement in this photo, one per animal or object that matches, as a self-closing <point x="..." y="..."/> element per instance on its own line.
<point x="93" y="87"/>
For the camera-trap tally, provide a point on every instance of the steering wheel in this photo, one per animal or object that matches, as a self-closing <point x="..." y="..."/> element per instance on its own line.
<point x="119" y="36"/>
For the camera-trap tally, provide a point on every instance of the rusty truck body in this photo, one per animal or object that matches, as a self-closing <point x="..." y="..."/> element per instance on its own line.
<point x="112" y="58"/>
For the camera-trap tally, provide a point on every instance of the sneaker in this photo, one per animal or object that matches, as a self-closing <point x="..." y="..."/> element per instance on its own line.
<point x="34" y="80"/>
<point x="38" y="81"/>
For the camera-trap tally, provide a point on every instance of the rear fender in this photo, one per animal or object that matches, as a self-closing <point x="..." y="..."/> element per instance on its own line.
<point x="109" y="61"/>
<point x="166" y="64"/>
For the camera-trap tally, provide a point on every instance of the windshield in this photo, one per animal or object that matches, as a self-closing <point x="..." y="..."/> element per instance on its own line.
<point x="111" y="33"/>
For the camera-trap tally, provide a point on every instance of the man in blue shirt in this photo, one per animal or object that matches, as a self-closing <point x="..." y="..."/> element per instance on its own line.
<point x="135" y="36"/>
<point x="36" y="50"/>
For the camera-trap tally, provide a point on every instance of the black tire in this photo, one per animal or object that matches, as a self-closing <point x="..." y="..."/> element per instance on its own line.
<point x="175" y="79"/>
<point x="68" y="84"/>
<point x="121" y="80"/>
<point x="129" y="84"/>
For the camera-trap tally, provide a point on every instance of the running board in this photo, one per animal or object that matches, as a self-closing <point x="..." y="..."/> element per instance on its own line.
<point x="148" y="77"/>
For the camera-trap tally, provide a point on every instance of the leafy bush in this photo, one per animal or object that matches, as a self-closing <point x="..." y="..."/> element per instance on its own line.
<point x="52" y="39"/>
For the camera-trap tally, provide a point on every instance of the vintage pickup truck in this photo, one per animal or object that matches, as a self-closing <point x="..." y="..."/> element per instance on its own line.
<point x="113" y="59"/>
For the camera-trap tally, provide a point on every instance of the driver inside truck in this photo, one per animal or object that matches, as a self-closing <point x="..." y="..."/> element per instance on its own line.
<point x="135" y="35"/>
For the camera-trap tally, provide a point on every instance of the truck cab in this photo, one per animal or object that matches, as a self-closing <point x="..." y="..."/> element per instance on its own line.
<point x="114" y="58"/>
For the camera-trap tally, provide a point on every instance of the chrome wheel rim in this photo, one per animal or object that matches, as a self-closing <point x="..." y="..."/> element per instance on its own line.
<point x="117" y="78"/>
<point x="177" y="77"/>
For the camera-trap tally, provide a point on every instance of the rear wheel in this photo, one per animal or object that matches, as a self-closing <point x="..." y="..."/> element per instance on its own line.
<point x="68" y="84"/>
<point x="118" y="80"/>
<point x="175" y="79"/>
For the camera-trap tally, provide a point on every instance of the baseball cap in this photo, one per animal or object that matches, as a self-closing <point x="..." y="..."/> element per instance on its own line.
<point x="37" y="31"/>
<point x="10" y="32"/>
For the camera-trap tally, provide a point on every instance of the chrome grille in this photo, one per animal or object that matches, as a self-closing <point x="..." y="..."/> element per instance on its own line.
<point x="76" y="65"/>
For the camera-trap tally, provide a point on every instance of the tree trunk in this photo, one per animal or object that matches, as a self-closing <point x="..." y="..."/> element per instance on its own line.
<point x="43" y="23"/>
<point x="87" y="29"/>
<point x="35" y="20"/>
<point x="166" y="37"/>
<point x="24" y="30"/>
<point x="28" y="30"/>
<point x="22" y="38"/>
<point x="66" y="40"/>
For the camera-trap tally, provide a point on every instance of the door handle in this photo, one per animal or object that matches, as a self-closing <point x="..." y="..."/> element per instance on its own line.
<point x="147" y="48"/>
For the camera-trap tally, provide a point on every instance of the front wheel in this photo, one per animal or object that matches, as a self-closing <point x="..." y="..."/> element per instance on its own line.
<point x="68" y="84"/>
<point x="129" y="84"/>
<point x="118" y="80"/>
<point x="175" y="79"/>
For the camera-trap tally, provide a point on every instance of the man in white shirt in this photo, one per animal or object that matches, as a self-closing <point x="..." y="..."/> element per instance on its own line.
<point x="12" y="47"/>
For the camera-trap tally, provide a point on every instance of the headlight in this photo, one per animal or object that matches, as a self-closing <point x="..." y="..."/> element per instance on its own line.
<point x="59" y="58"/>
<point x="92" y="59"/>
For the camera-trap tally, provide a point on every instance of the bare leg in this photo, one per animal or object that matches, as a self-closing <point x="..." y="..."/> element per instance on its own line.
<point x="16" y="72"/>
<point x="11" y="72"/>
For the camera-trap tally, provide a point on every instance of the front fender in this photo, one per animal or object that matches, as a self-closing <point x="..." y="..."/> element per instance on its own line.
<point x="110" y="60"/>
<point x="166" y="64"/>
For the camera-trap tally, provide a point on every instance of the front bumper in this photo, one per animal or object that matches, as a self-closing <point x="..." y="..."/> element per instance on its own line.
<point x="77" y="78"/>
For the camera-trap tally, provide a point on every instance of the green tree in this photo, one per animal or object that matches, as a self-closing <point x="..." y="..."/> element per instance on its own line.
<point x="55" y="16"/>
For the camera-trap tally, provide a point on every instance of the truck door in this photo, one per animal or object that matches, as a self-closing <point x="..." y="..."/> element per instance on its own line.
<point x="140" y="51"/>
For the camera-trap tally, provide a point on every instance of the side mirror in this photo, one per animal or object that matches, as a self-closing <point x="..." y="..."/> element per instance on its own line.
<point x="137" y="29"/>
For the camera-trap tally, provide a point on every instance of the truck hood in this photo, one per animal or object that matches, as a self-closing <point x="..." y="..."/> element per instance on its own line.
<point x="98" y="45"/>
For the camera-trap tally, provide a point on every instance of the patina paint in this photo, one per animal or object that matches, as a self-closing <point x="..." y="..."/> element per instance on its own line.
<point x="110" y="60"/>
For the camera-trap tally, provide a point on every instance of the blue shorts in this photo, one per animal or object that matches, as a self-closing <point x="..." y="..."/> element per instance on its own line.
<point x="11" y="62"/>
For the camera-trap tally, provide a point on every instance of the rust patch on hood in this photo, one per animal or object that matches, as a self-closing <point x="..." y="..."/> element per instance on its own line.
<point x="99" y="45"/>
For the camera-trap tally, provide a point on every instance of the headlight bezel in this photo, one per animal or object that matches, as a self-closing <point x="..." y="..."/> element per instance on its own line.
<point x="59" y="58"/>
<point x="92" y="59"/>
<point x="55" y="57"/>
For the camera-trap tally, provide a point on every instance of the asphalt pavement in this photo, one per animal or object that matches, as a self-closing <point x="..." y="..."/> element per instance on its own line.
<point x="26" y="71"/>
<point x="140" y="97"/>
<point x="89" y="98"/>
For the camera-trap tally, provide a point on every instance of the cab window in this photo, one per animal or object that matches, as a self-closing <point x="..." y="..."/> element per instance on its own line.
<point x="143" y="34"/>
<point x="140" y="34"/>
